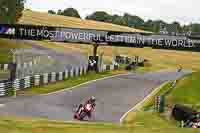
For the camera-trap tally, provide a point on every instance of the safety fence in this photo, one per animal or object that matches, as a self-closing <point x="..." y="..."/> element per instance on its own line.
<point x="7" y="87"/>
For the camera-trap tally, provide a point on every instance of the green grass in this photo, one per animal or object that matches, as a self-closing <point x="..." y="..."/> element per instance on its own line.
<point x="4" y="56"/>
<point x="19" y="125"/>
<point x="146" y="123"/>
<point x="68" y="83"/>
<point x="151" y="121"/>
<point x="4" y="74"/>
<point x="187" y="91"/>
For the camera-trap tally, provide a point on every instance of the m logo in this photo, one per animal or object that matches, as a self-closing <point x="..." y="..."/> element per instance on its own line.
<point x="10" y="31"/>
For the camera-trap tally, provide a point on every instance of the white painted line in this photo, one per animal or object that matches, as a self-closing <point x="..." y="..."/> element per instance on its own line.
<point x="137" y="106"/>
<point x="67" y="89"/>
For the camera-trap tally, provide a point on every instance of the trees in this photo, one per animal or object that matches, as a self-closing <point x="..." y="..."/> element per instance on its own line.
<point x="195" y="27"/>
<point x="71" y="12"/>
<point x="118" y="20"/>
<point x="133" y="21"/>
<point x="178" y="26"/>
<point x="100" y="16"/>
<point x="11" y="10"/>
<point x="51" y="12"/>
<point x="156" y="25"/>
<point x="19" y="9"/>
<point x="59" y="12"/>
<point x="126" y="20"/>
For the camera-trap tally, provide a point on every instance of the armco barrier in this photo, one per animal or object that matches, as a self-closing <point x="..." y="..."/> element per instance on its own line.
<point x="38" y="80"/>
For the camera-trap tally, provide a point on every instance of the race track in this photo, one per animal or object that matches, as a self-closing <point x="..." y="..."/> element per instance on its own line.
<point x="115" y="96"/>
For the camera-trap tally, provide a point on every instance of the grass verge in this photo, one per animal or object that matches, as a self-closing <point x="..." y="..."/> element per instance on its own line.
<point x="20" y="125"/>
<point x="146" y="123"/>
<point x="68" y="83"/>
<point x="4" y="74"/>
<point x="186" y="91"/>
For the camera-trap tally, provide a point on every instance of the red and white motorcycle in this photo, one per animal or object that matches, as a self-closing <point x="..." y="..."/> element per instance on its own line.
<point x="84" y="111"/>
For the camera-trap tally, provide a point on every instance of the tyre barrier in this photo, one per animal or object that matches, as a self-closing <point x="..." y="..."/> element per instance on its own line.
<point x="7" y="87"/>
<point x="130" y="60"/>
<point x="5" y="84"/>
<point x="109" y="67"/>
<point x="188" y="117"/>
<point x="181" y="112"/>
<point x="122" y="59"/>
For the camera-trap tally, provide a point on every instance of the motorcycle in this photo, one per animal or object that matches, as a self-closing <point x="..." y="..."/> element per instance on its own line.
<point x="84" y="111"/>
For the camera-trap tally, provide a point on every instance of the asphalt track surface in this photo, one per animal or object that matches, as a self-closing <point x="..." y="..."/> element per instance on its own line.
<point x="115" y="96"/>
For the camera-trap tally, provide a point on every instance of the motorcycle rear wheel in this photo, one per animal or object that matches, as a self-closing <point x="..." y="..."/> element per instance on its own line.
<point x="82" y="115"/>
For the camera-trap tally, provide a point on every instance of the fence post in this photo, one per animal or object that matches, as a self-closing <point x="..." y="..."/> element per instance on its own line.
<point x="53" y="77"/>
<point x="160" y="103"/>
<point x="72" y="73"/>
<point x="85" y="69"/>
<point x="5" y="67"/>
<point x="77" y="71"/>
<point x="60" y="76"/>
<point x="81" y="71"/>
<point x="66" y="74"/>
<point x="45" y="78"/>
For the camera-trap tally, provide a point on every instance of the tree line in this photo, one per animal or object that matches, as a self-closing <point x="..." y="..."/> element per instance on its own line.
<point x="11" y="11"/>
<point x="129" y="20"/>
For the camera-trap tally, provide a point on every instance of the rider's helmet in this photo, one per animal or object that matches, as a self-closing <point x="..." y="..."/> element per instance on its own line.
<point x="93" y="99"/>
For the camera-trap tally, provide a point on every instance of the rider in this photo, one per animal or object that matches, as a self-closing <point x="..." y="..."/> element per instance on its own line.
<point x="91" y="101"/>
